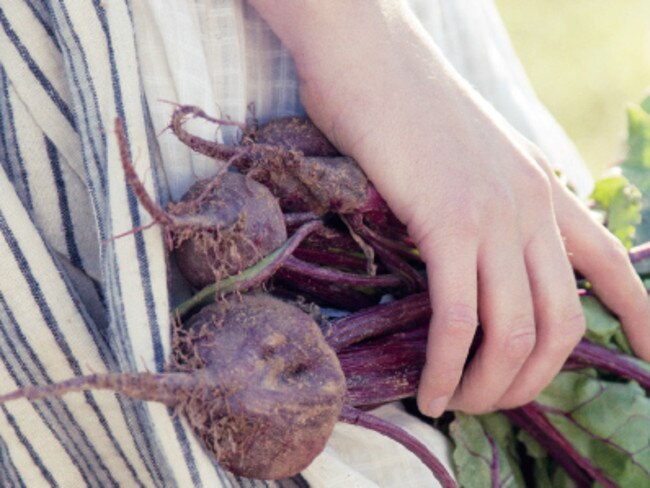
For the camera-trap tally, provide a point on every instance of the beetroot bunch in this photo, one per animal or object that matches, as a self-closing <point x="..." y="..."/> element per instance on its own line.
<point x="258" y="370"/>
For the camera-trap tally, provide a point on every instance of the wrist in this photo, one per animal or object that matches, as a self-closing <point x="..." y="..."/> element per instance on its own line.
<point x="323" y="34"/>
<point x="346" y="52"/>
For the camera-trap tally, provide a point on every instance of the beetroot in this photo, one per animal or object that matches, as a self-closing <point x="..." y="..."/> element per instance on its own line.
<point x="278" y="376"/>
<point x="254" y="378"/>
<point x="229" y="227"/>
<point x="298" y="164"/>
<point x="316" y="184"/>
<point x="381" y="348"/>
<point x="220" y="227"/>
<point x="295" y="160"/>
<point x="295" y="133"/>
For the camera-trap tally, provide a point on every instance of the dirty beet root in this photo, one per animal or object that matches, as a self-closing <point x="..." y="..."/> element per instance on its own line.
<point x="223" y="227"/>
<point x="294" y="159"/>
<point x="252" y="376"/>
<point x="294" y="133"/>
<point x="220" y="227"/>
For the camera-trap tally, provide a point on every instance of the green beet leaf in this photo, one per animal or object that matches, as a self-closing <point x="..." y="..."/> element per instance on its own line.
<point x="485" y="452"/>
<point x="637" y="163"/>
<point x="602" y="327"/>
<point x="620" y="202"/>
<point x="638" y="127"/>
<point x="607" y="422"/>
<point x="546" y="473"/>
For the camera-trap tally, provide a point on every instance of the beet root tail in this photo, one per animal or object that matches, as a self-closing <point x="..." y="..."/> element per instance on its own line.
<point x="165" y="388"/>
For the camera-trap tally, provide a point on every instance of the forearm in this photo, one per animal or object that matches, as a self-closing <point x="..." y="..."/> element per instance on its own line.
<point x="368" y="66"/>
<point x="339" y="29"/>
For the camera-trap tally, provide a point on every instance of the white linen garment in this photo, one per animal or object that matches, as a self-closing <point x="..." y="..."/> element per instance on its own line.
<point x="73" y="301"/>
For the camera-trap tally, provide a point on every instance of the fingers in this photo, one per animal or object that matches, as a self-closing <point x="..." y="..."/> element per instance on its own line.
<point x="558" y="316"/>
<point x="526" y="296"/>
<point x="508" y="322"/>
<point x="529" y="311"/>
<point x="451" y="268"/>
<point x="603" y="260"/>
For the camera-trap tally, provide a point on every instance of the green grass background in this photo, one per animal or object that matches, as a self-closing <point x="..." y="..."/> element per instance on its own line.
<point x="587" y="60"/>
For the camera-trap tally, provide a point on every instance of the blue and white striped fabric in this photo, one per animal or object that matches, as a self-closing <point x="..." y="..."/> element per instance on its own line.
<point x="73" y="301"/>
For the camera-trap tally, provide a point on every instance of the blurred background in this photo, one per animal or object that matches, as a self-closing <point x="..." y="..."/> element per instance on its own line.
<point x="587" y="60"/>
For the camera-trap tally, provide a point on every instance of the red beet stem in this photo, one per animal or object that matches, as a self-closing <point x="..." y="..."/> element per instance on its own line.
<point x="400" y="247"/>
<point x="640" y="253"/>
<point x="384" y="369"/>
<point x="414" y="310"/>
<point x="386" y="366"/>
<point x="588" y="354"/>
<point x="340" y="277"/>
<point x="164" y="388"/>
<point x="377" y="320"/>
<point x="531" y="419"/>
<point x="322" y="293"/>
<point x="253" y="276"/>
<point x="354" y="416"/>
<point x="391" y="259"/>
<point x="331" y="258"/>
<point x="379" y="388"/>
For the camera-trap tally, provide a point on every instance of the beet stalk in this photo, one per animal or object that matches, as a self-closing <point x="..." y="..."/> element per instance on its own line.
<point x="252" y="276"/>
<point x="589" y="355"/>
<point x="407" y="320"/>
<point x="355" y="416"/>
<point x="532" y="420"/>
<point x="640" y="253"/>
<point x="390" y="257"/>
<point x="378" y="320"/>
<point x="331" y="287"/>
<point x="340" y="277"/>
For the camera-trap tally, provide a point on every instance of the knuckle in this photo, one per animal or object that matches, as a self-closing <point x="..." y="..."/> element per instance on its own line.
<point x="566" y="333"/>
<point x="537" y="184"/>
<point x="505" y="202"/>
<point x="459" y="321"/>
<point x="519" y="342"/>
<point x="574" y="327"/>
<point x="468" y="227"/>
<point x="613" y="252"/>
<point x="437" y="234"/>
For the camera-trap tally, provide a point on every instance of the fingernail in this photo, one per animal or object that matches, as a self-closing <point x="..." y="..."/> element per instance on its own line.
<point x="437" y="406"/>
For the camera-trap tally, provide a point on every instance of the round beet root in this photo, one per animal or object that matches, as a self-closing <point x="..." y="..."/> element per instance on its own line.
<point x="295" y="133"/>
<point x="279" y="386"/>
<point x="252" y="375"/>
<point x="224" y="226"/>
